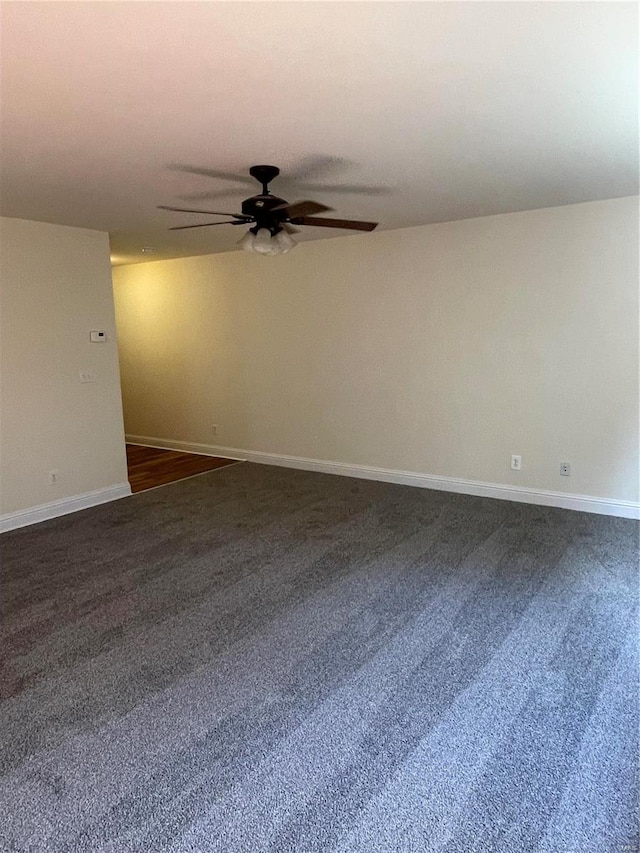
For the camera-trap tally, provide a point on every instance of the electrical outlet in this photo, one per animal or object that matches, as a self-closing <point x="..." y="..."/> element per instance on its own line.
<point x="52" y="478"/>
<point x="565" y="469"/>
<point x="516" y="463"/>
<point x="214" y="429"/>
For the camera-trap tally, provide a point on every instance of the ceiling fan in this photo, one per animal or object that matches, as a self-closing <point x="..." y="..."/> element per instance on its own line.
<point x="271" y="217"/>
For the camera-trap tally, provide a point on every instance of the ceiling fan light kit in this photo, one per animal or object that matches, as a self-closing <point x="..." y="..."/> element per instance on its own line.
<point x="270" y="217"/>
<point x="262" y="242"/>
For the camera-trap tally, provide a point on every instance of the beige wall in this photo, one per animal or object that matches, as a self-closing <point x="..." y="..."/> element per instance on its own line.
<point x="55" y="288"/>
<point x="441" y="349"/>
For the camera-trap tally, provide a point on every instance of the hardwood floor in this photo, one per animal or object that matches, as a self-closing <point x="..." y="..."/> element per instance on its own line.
<point x="149" y="466"/>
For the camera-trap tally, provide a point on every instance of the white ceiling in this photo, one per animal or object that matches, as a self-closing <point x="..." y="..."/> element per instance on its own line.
<point x="449" y="110"/>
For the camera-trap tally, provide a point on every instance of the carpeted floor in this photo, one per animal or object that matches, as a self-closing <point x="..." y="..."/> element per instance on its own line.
<point x="262" y="660"/>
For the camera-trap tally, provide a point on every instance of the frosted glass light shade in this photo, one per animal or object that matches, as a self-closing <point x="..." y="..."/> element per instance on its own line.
<point x="262" y="242"/>
<point x="247" y="242"/>
<point x="284" y="242"/>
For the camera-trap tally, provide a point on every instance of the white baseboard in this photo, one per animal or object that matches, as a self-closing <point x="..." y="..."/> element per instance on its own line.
<point x="189" y="447"/>
<point x="43" y="512"/>
<point x="541" y="497"/>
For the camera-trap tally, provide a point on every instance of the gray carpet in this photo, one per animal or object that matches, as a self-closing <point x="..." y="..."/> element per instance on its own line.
<point x="261" y="660"/>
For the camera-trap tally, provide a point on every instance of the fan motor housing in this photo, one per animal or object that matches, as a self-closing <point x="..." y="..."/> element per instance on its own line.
<point x="260" y="207"/>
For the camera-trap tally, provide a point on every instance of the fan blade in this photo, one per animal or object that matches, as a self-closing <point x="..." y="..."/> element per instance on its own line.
<point x="211" y="212"/>
<point x="289" y="187"/>
<point x="237" y="192"/>
<point x="210" y="173"/>
<point x="301" y="208"/>
<point x="207" y="224"/>
<point x="352" y="224"/>
<point x="318" y="166"/>
<point x="311" y="171"/>
<point x="343" y="189"/>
